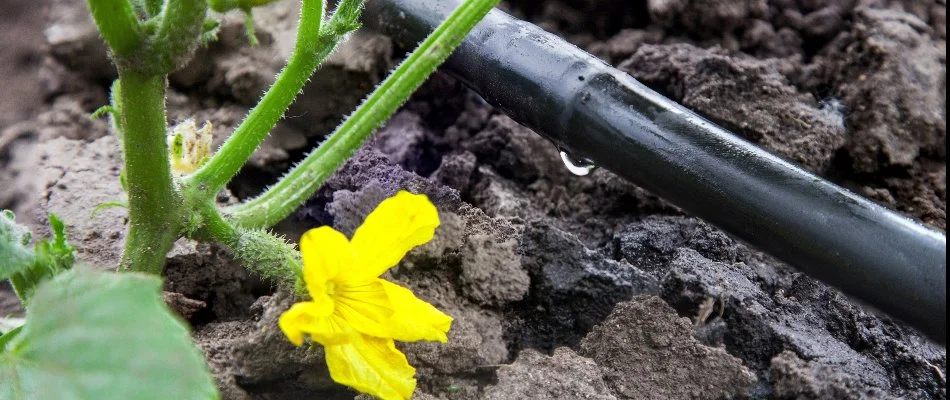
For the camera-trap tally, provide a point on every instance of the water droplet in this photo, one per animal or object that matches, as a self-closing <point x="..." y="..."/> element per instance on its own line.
<point x="578" y="166"/>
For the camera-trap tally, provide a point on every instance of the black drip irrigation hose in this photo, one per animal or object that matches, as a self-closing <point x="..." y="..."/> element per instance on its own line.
<point x="600" y="114"/>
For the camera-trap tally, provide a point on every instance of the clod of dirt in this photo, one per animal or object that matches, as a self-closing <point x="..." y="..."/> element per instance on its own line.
<point x="73" y="178"/>
<point x="794" y="378"/>
<point x="522" y="175"/>
<point x="512" y="150"/>
<point x="648" y="352"/>
<point x="624" y="44"/>
<point x="433" y="271"/>
<point x="650" y="244"/>
<point x="74" y="40"/>
<point x="573" y="288"/>
<point x="705" y="18"/>
<point x="456" y="171"/>
<point x="182" y="305"/>
<point x="208" y="273"/>
<point x="264" y="361"/>
<point x="891" y="79"/>
<point x="745" y="95"/>
<point x="562" y="375"/>
<point x="21" y="24"/>
<point x="402" y="139"/>
<point x="474" y="341"/>
<point x="251" y="358"/>
<point x="217" y="340"/>
<point x="934" y="13"/>
<point x="492" y="272"/>
<point x="765" y="312"/>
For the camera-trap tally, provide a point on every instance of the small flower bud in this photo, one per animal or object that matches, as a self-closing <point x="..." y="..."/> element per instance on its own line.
<point x="189" y="146"/>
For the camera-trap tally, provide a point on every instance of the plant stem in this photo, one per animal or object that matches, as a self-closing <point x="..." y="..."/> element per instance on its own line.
<point x="261" y="252"/>
<point x="179" y="32"/>
<point x="216" y="228"/>
<point x="118" y="25"/>
<point x="153" y="7"/>
<point x="313" y="45"/>
<point x="297" y="186"/>
<point x="154" y="206"/>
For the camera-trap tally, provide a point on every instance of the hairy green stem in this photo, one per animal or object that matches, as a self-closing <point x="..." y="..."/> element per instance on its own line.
<point x="297" y="186"/>
<point x="261" y="252"/>
<point x="313" y="45"/>
<point x="216" y="228"/>
<point x="118" y="25"/>
<point x="179" y="32"/>
<point x="154" y="207"/>
<point x="228" y="5"/>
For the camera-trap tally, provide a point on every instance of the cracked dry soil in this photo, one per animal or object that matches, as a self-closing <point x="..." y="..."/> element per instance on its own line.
<point x="562" y="287"/>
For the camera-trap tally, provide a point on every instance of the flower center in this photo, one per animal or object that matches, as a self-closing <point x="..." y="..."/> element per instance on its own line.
<point x="331" y="288"/>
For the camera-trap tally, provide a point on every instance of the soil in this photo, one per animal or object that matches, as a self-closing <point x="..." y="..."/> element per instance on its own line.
<point x="560" y="286"/>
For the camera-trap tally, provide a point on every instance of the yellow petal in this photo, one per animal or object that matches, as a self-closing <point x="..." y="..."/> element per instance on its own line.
<point x="300" y="318"/>
<point x="332" y="330"/>
<point x="413" y="318"/>
<point x="315" y="320"/>
<point x="373" y="366"/>
<point x="366" y="307"/>
<point x="325" y="253"/>
<point x="397" y="225"/>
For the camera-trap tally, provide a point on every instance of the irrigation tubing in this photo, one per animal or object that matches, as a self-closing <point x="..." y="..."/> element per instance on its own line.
<point x="598" y="113"/>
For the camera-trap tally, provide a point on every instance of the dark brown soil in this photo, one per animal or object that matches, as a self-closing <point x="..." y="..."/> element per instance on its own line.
<point x="561" y="286"/>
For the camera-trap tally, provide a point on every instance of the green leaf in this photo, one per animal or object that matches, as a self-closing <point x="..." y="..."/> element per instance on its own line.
<point x="209" y="32"/>
<point x="9" y="324"/>
<point x="58" y="254"/>
<point x="98" y="335"/>
<point x="346" y="16"/>
<point x="14" y="239"/>
<point x="108" y="204"/>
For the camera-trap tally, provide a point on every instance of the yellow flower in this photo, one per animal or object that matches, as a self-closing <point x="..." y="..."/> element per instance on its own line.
<point x="189" y="146"/>
<point x="356" y="315"/>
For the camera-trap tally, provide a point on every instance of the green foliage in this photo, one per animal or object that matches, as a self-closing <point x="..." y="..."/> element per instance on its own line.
<point x="97" y="335"/>
<point x="346" y="16"/>
<point x="26" y="267"/>
<point x="210" y="31"/>
<point x="14" y="246"/>
<point x="228" y="5"/>
<point x="58" y="254"/>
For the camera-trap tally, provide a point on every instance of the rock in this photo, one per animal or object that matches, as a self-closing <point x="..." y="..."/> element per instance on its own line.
<point x="648" y="352"/>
